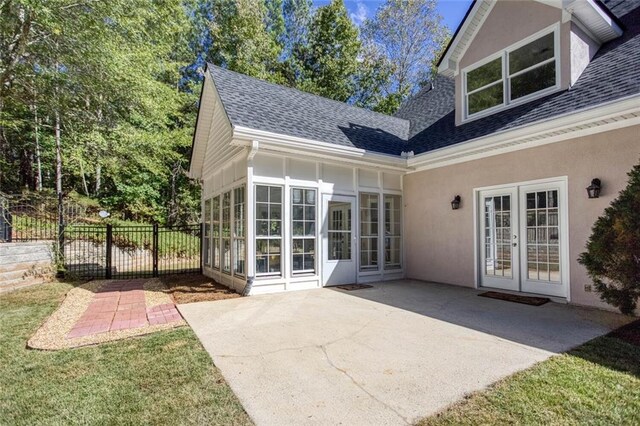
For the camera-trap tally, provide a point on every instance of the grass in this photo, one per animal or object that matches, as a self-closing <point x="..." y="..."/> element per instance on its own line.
<point x="163" y="378"/>
<point x="596" y="383"/>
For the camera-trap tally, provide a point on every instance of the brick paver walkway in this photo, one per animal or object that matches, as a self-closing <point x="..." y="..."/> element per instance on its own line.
<point x="121" y="305"/>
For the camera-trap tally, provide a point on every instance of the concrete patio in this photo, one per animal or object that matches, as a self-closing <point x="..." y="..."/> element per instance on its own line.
<point x="386" y="355"/>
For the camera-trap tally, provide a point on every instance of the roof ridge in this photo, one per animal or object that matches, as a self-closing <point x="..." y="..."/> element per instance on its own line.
<point x="281" y="86"/>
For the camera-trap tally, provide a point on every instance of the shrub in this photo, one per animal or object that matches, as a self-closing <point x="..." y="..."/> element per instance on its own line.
<point x="612" y="258"/>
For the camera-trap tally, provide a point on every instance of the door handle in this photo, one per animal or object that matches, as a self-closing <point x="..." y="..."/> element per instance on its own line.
<point x="515" y="244"/>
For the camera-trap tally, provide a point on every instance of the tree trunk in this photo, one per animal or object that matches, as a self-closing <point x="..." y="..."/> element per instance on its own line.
<point x="172" y="202"/>
<point x="38" y="161"/>
<point x="58" y="154"/>
<point x="84" y="179"/>
<point x="98" y="178"/>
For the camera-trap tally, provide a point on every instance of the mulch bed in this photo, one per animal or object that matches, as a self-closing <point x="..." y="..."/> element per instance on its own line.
<point x="196" y="288"/>
<point x="526" y="300"/>
<point x="629" y="333"/>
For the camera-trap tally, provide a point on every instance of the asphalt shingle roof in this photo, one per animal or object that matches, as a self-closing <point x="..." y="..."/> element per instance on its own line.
<point x="260" y="105"/>
<point x="427" y="121"/>
<point x="614" y="73"/>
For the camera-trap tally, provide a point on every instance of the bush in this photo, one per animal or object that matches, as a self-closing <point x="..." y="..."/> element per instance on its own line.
<point x="612" y="258"/>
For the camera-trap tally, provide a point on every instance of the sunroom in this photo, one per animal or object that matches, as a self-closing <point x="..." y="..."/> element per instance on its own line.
<point x="287" y="212"/>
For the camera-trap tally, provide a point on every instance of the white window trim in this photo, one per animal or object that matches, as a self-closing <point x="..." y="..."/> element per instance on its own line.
<point x="304" y="272"/>
<point x="394" y="266"/>
<point x="507" y="103"/>
<point x="234" y="238"/>
<point x="255" y="237"/>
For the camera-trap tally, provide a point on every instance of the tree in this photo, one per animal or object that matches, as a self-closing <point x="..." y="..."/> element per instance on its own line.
<point x="94" y="81"/>
<point x="612" y="258"/>
<point x="410" y="33"/>
<point x="297" y="19"/>
<point x="330" y="60"/>
<point x="241" y="41"/>
<point x="372" y="77"/>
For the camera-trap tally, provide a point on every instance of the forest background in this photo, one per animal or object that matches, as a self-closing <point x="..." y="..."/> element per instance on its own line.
<point x="98" y="99"/>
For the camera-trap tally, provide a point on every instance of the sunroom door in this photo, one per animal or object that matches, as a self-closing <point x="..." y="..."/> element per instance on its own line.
<point x="338" y="240"/>
<point x="499" y="239"/>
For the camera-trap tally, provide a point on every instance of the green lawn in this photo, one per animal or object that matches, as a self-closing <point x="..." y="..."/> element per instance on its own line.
<point x="596" y="383"/>
<point x="163" y="378"/>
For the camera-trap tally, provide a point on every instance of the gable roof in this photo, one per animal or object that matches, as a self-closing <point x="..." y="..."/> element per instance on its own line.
<point x="426" y="122"/>
<point x="259" y="105"/>
<point x="600" y="20"/>
<point x="613" y="73"/>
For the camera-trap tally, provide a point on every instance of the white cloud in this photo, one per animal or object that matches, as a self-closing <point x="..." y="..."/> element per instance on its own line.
<point x="360" y="15"/>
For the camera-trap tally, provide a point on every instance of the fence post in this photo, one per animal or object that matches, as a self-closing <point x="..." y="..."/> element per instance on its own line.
<point x="61" y="225"/>
<point x="108" y="254"/>
<point x="8" y="226"/>
<point x="155" y="249"/>
<point x="201" y="247"/>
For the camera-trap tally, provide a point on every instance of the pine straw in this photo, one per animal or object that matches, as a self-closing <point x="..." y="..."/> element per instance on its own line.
<point x="52" y="334"/>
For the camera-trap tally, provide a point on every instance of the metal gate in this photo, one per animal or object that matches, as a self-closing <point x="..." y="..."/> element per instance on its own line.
<point x="137" y="251"/>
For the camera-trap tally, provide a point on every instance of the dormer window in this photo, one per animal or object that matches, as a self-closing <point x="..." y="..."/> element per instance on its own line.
<point x="531" y="68"/>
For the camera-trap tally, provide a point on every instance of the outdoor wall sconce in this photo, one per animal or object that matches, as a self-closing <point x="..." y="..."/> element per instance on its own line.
<point x="455" y="203"/>
<point x="593" y="190"/>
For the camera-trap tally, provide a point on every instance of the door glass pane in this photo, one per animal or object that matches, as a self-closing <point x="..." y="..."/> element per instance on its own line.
<point x="498" y="236"/>
<point x="543" y="245"/>
<point x="339" y="229"/>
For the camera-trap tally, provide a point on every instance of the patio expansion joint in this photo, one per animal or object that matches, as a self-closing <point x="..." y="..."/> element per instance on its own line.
<point x="359" y="386"/>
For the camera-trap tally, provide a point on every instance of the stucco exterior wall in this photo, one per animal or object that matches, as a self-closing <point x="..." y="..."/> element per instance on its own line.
<point x="582" y="50"/>
<point x="439" y="242"/>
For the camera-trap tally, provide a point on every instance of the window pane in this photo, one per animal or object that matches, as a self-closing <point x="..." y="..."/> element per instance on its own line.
<point x="537" y="79"/>
<point x="368" y="231"/>
<point x="207" y="232"/>
<point x="239" y="257"/>
<point x="303" y="223"/>
<point x="485" y="74"/>
<point x="486" y="98"/>
<point x="392" y="231"/>
<point x="215" y="231"/>
<point x="239" y="212"/>
<point x="268" y="229"/>
<point x="239" y="254"/>
<point x="339" y="237"/>
<point x="533" y="53"/>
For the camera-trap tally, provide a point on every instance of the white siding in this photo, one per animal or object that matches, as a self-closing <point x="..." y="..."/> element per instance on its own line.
<point x="327" y="178"/>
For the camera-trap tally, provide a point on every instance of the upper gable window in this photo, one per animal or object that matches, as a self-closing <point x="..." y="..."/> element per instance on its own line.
<point x="531" y="70"/>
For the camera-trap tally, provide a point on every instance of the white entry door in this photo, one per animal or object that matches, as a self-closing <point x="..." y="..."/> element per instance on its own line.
<point x="338" y="240"/>
<point x="523" y="238"/>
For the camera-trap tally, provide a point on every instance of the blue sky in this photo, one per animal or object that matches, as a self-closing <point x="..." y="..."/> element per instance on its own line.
<point x="452" y="11"/>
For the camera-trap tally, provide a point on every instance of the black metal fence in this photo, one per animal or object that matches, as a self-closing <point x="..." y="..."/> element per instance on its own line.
<point x="36" y="217"/>
<point x="139" y="251"/>
<point x="85" y="249"/>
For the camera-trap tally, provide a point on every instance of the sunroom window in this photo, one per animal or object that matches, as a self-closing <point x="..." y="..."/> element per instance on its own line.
<point x="268" y="230"/>
<point x="238" y="231"/>
<point x="303" y="221"/>
<point x="226" y="232"/>
<point x="530" y="72"/>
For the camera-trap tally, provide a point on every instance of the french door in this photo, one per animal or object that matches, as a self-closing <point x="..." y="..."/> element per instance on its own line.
<point x="523" y="238"/>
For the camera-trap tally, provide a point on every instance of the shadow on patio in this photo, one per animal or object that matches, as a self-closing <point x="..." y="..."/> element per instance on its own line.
<point x="553" y="327"/>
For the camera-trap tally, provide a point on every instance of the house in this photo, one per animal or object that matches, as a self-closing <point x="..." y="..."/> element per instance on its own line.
<point x="479" y="180"/>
